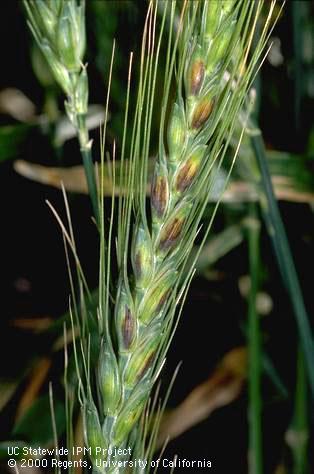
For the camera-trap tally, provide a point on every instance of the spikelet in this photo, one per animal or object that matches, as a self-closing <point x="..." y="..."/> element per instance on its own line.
<point x="109" y="379"/>
<point x="177" y="131"/>
<point x="159" y="192"/>
<point x="187" y="172"/>
<point x="125" y="319"/>
<point x="142" y="255"/>
<point x="59" y="30"/>
<point x="93" y="434"/>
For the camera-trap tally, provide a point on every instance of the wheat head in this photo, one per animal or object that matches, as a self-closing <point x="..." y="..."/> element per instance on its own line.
<point x="213" y="77"/>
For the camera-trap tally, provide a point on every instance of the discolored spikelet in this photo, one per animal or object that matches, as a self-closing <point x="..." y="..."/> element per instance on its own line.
<point x="201" y="112"/>
<point x="188" y="170"/>
<point x="172" y="229"/>
<point x="159" y="195"/>
<point x="197" y="76"/>
<point x="195" y="73"/>
<point x="128" y="328"/>
<point x="171" y="233"/>
<point x="142" y="359"/>
<point x="130" y="414"/>
<point x="186" y="175"/>
<point x="156" y="298"/>
<point x="142" y="255"/>
<point x="125" y="319"/>
<point x="159" y="191"/>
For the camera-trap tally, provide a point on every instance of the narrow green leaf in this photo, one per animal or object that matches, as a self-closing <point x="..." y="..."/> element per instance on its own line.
<point x="284" y="257"/>
<point x="255" y="351"/>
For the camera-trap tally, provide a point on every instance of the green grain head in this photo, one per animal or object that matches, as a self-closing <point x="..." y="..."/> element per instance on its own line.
<point x="177" y="132"/>
<point x="108" y="380"/>
<point x="142" y="255"/>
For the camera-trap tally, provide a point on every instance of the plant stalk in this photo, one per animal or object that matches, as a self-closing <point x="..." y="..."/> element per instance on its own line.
<point x="283" y="254"/>
<point x="85" y="146"/>
<point x="300" y="424"/>
<point x="255" y="350"/>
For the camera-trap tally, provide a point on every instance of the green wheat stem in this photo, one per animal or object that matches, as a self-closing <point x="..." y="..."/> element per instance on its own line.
<point x="300" y="423"/>
<point x="254" y="350"/>
<point x="283" y="254"/>
<point x="89" y="168"/>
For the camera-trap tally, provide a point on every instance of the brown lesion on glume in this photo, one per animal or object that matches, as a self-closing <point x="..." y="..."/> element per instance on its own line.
<point x="197" y="76"/>
<point x="186" y="175"/>
<point x="201" y="113"/>
<point x="138" y="265"/>
<point x="147" y="364"/>
<point x="171" y="233"/>
<point x="128" y="328"/>
<point x="162" y="301"/>
<point x="159" y="194"/>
